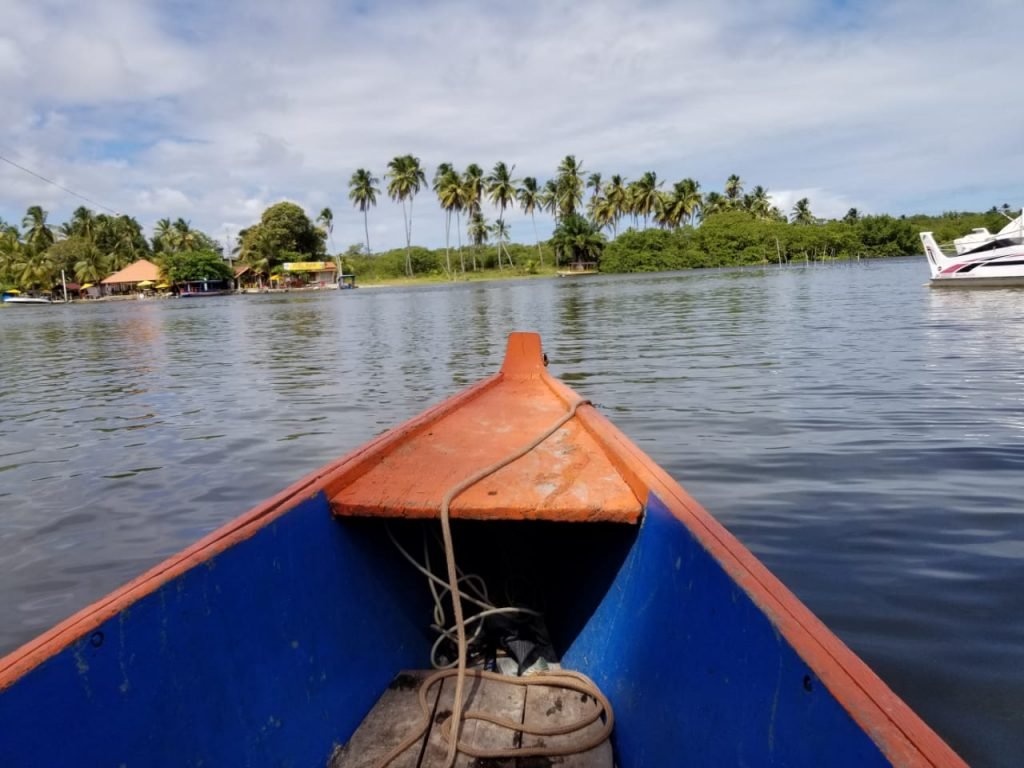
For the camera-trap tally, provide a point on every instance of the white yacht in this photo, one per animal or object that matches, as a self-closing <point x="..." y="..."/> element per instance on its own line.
<point x="982" y="259"/>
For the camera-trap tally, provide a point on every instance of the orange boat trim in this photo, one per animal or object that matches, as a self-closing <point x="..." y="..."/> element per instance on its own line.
<point x="568" y="477"/>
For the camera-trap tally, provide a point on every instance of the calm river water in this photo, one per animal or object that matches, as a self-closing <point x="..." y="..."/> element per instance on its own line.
<point x="862" y="434"/>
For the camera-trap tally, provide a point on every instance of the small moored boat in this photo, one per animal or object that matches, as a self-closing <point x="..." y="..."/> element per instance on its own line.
<point x="298" y="633"/>
<point x="16" y="299"/>
<point x="579" y="269"/>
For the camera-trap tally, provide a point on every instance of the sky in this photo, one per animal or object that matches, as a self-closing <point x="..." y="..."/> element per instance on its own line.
<point x="214" y="111"/>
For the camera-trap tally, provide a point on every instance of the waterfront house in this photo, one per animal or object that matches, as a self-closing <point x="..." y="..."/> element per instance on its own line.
<point x="309" y="274"/>
<point x="127" y="280"/>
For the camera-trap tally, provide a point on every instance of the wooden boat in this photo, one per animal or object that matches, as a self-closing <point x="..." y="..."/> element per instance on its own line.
<point x="270" y="640"/>
<point x="579" y="269"/>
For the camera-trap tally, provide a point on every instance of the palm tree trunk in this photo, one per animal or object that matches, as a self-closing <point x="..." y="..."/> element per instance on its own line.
<point x="536" y="237"/>
<point x="458" y="231"/>
<point x="501" y="224"/>
<point x="408" y="241"/>
<point x="447" y="240"/>
<point x="366" y="226"/>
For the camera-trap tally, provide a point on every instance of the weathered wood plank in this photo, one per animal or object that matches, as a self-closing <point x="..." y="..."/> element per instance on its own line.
<point x="495" y="698"/>
<point x="394" y="716"/>
<point x="548" y="707"/>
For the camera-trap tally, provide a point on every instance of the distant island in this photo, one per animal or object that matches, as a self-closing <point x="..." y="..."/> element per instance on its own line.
<point x="619" y="225"/>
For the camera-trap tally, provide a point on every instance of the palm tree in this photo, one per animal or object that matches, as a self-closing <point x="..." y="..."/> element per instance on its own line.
<point x="446" y="187"/>
<point x="760" y="204"/>
<point x="10" y="252"/>
<point x="715" y="202"/>
<point x="118" y="233"/>
<point x="478" y="231"/>
<point x="668" y="214"/>
<point x="162" y="235"/>
<point x="83" y="223"/>
<point x="472" y="194"/>
<point x="548" y="200"/>
<point x="500" y="230"/>
<point x="501" y="191"/>
<point x="733" y="189"/>
<point x="602" y="212"/>
<point x="529" y="196"/>
<point x="802" y="212"/>
<point x="363" y="191"/>
<point x="257" y="251"/>
<point x="569" y="185"/>
<point x="646" y="195"/>
<point x="684" y="202"/>
<point x="578" y="238"/>
<point x="460" y="191"/>
<point x="632" y="198"/>
<point x="92" y="266"/>
<point x="405" y="179"/>
<point x="326" y="220"/>
<point x="473" y="179"/>
<point x="618" y="198"/>
<point x="183" y="236"/>
<point x="594" y="184"/>
<point x="34" y="269"/>
<point x="38" y="234"/>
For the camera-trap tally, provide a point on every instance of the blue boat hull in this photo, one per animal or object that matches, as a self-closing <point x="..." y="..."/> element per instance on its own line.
<point x="269" y="641"/>
<point x="272" y="652"/>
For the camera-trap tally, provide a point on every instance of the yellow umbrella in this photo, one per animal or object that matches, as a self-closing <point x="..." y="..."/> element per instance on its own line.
<point x="87" y="285"/>
<point x="145" y="284"/>
<point x="13" y="292"/>
<point x="163" y="285"/>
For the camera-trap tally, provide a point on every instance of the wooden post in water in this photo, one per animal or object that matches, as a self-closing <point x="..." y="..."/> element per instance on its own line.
<point x="64" y="284"/>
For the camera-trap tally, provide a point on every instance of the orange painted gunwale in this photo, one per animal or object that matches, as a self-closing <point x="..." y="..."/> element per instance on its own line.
<point x="901" y="735"/>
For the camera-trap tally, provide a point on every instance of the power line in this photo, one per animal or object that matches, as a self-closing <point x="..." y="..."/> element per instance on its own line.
<point x="58" y="186"/>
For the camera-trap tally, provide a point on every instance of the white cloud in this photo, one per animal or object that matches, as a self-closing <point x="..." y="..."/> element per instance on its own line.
<point x="211" y="113"/>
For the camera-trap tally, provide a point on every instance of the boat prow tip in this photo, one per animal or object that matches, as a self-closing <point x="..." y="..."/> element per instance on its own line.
<point x="524" y="358"/>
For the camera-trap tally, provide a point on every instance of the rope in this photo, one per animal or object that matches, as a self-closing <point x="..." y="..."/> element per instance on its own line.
<point x="565" y="679"/>
<point x="474" y="582"/>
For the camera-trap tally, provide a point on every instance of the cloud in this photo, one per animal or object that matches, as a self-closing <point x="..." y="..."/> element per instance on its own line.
<point x="212" y="111"/>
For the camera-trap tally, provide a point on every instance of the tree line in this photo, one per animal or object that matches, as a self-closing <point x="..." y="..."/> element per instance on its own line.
<point x="626" y="225"/>
<point x="576" y="236"/>
<point x="90" y="246"/>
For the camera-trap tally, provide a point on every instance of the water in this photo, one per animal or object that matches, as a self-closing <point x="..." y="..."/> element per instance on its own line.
<point x="862" y="434"/>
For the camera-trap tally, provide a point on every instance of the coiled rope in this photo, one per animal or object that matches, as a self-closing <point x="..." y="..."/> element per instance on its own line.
<point x="563" y="679"/>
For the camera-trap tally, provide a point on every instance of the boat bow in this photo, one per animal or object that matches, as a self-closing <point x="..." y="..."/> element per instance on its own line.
<point x="571" y="476"/>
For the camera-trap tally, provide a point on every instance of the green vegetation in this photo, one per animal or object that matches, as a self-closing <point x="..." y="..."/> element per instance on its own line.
<point x="737" y="238"/>
<point x="285" y="233"/>
<point x="189" y="266"/>
<point x="431" y="264"/>
<point x="623" y="225"/>
<point x="89" y="247"/>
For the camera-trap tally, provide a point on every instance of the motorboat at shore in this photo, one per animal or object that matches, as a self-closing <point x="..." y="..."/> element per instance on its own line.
<point x="982" y="259"/>
<point x="16" y="300"/>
